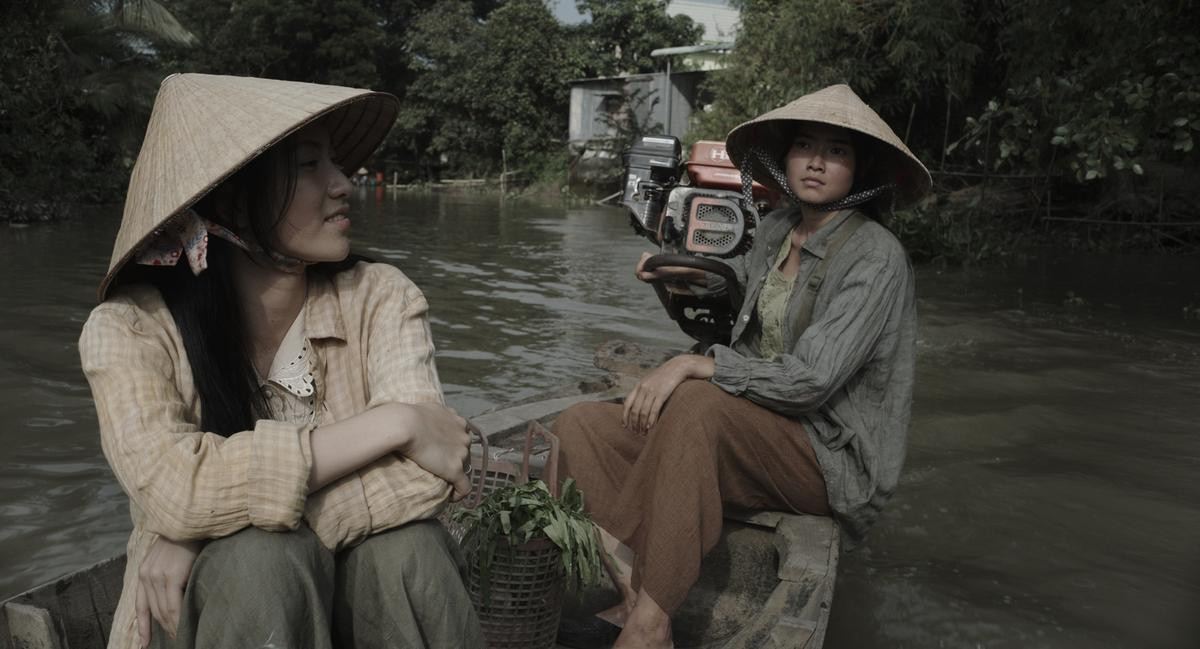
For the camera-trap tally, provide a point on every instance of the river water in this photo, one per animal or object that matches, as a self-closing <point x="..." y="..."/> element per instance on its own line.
<point x="1051" y="496"/>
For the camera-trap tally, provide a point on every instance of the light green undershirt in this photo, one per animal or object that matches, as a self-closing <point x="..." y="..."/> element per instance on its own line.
<point x="772" y="305"/>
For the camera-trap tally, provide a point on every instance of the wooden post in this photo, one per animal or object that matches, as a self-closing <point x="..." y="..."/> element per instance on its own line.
<point x="670" y="93"/>
<point x="503" y="171"/>
<point x="30" y="627"/>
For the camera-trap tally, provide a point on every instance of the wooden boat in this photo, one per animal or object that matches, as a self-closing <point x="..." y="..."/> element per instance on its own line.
<point x="768" y="583"/>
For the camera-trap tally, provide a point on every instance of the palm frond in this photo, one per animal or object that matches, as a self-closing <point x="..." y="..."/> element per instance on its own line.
<point x="152" y="20"/>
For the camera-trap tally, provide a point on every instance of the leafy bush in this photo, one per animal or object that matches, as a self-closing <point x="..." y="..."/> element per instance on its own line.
<point x="1091" y="104"/>
<point x="75" y="90"/>
<point x="1085" y="113"/>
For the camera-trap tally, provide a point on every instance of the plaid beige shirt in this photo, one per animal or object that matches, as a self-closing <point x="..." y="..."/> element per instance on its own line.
<point x="369" y="334"/>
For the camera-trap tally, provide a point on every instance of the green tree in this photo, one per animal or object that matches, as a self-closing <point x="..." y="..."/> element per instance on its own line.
<point x="439" y="114"/>
<point x="523" y="80"/>
<point x="76" y="83"/>
<point x="319" y="41"/>
<point x="486" y="89"/>
<point x="903" y="57"/>
<point x="1092" y="90"/>
<point x="621" y="34"/>
<point x="1095" y="104"/>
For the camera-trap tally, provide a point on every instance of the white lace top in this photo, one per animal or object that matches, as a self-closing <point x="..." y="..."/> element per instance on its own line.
<point x="290" y="388"/>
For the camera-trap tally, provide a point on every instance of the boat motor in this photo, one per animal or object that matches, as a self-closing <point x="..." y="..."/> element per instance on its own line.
<point x="696" y="214"/>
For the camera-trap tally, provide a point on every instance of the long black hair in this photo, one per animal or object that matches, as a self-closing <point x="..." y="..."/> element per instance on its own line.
<point x="205" y="307"/>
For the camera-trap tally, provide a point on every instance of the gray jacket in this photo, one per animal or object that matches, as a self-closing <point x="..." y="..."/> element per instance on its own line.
<point x="849" y="375"/>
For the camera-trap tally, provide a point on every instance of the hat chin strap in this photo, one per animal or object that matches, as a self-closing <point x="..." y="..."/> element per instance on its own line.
<point x="780" y="178"/>
<point x="186" y="237"/>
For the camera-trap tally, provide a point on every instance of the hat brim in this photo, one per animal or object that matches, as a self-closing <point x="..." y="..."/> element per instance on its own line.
<point x="358" y="120"/>
<point x="836" y="106"/>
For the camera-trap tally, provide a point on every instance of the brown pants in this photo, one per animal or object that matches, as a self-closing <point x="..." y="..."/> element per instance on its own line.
<point x="662" y="493"/>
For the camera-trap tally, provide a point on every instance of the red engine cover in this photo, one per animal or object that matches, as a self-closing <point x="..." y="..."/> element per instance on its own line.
<point x="709" y="166"/>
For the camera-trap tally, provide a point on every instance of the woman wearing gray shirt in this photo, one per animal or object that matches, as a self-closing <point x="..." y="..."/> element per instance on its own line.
<point x="806" y="409"/>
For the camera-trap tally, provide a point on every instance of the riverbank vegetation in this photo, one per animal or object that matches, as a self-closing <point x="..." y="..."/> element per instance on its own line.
<point x="1041" y="120"/>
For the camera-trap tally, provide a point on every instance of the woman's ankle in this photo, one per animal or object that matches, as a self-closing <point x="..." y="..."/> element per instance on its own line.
<point x="649" y="619"/>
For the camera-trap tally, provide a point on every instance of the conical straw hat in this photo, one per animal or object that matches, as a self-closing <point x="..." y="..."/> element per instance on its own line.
<point x="205" y="127"/>
<point x="839" y="106"/>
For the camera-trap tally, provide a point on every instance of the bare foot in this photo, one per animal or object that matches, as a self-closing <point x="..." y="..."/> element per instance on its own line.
<point x="618" y="561"/>
<point x="647" y="627"/>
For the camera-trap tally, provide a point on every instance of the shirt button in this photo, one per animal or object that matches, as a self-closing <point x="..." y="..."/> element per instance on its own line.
<point x="746" y="318"/>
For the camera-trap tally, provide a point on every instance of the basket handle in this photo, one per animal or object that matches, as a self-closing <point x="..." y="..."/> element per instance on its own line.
<point x="550" y="473"/>
<point x="474" y="499"/>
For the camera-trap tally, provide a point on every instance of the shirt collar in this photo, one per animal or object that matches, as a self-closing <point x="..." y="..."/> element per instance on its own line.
<point x="323" y="311"/>
<point x="818" y="242"/>
<point x="291" y="368"/>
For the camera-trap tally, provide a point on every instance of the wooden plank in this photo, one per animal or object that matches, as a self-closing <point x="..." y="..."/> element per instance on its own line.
<point x="796" y="614"/>
<point x="30" y="627"/>
<point x="82" y="604"/>
<point x="762" y="518"/>
<point x="500" y="422"/>
<point x="809" y="551"/>
<point x="807" y="545"/>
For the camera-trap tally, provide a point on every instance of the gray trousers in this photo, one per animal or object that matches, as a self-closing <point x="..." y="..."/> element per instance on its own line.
<point x="401" y="588"/>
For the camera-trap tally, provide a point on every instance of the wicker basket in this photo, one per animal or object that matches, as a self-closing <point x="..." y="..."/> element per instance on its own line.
<point x="525" y="594"/>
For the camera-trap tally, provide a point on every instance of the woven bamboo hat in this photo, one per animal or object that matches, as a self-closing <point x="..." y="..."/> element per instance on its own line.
<point x="205" y="127"/>
<point x="838" y="106"/>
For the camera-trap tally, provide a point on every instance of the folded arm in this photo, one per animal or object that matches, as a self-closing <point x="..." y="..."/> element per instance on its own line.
<point x="189" y="484"/>
<point x="425" y="470"/>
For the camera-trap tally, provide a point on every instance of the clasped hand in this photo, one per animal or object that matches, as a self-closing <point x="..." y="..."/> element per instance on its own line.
<point x="440" y="444"/>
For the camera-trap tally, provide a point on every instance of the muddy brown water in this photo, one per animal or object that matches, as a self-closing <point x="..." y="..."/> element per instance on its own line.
<point x="1051" y="496"/>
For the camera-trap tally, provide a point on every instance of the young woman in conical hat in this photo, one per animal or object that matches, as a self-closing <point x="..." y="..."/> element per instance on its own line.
<point x="269" y="402"/>
<point x="806" y="408"/>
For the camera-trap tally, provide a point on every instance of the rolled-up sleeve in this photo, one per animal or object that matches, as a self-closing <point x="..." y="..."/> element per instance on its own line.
<point x="829" y="351"/>
<point x="189" y="484"/>
<point x="400" y="369"/>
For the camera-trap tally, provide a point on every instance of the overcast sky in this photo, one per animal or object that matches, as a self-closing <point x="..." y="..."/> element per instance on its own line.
<point x="565" y="10"/>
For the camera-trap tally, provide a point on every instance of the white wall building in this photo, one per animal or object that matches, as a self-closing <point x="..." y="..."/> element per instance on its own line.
<point x="667" y="97"/>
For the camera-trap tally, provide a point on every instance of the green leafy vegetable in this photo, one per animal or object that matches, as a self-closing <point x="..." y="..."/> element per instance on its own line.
<point x="516" y="514"/>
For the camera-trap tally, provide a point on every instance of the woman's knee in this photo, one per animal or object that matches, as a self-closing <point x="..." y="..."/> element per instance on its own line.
<point x="256" y="562"/>
<point x="414" y="551"/>
<point x="576" y="428"/>
<point x="696" y="411"/>
<point x="574" y="422"/>
<point x="405" y="585"/>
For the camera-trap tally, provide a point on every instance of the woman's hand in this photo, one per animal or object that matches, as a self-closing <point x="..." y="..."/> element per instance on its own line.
<point x="438" y="442"/>
<point x="162" y="578"/>
<point x="648" y="397"/>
